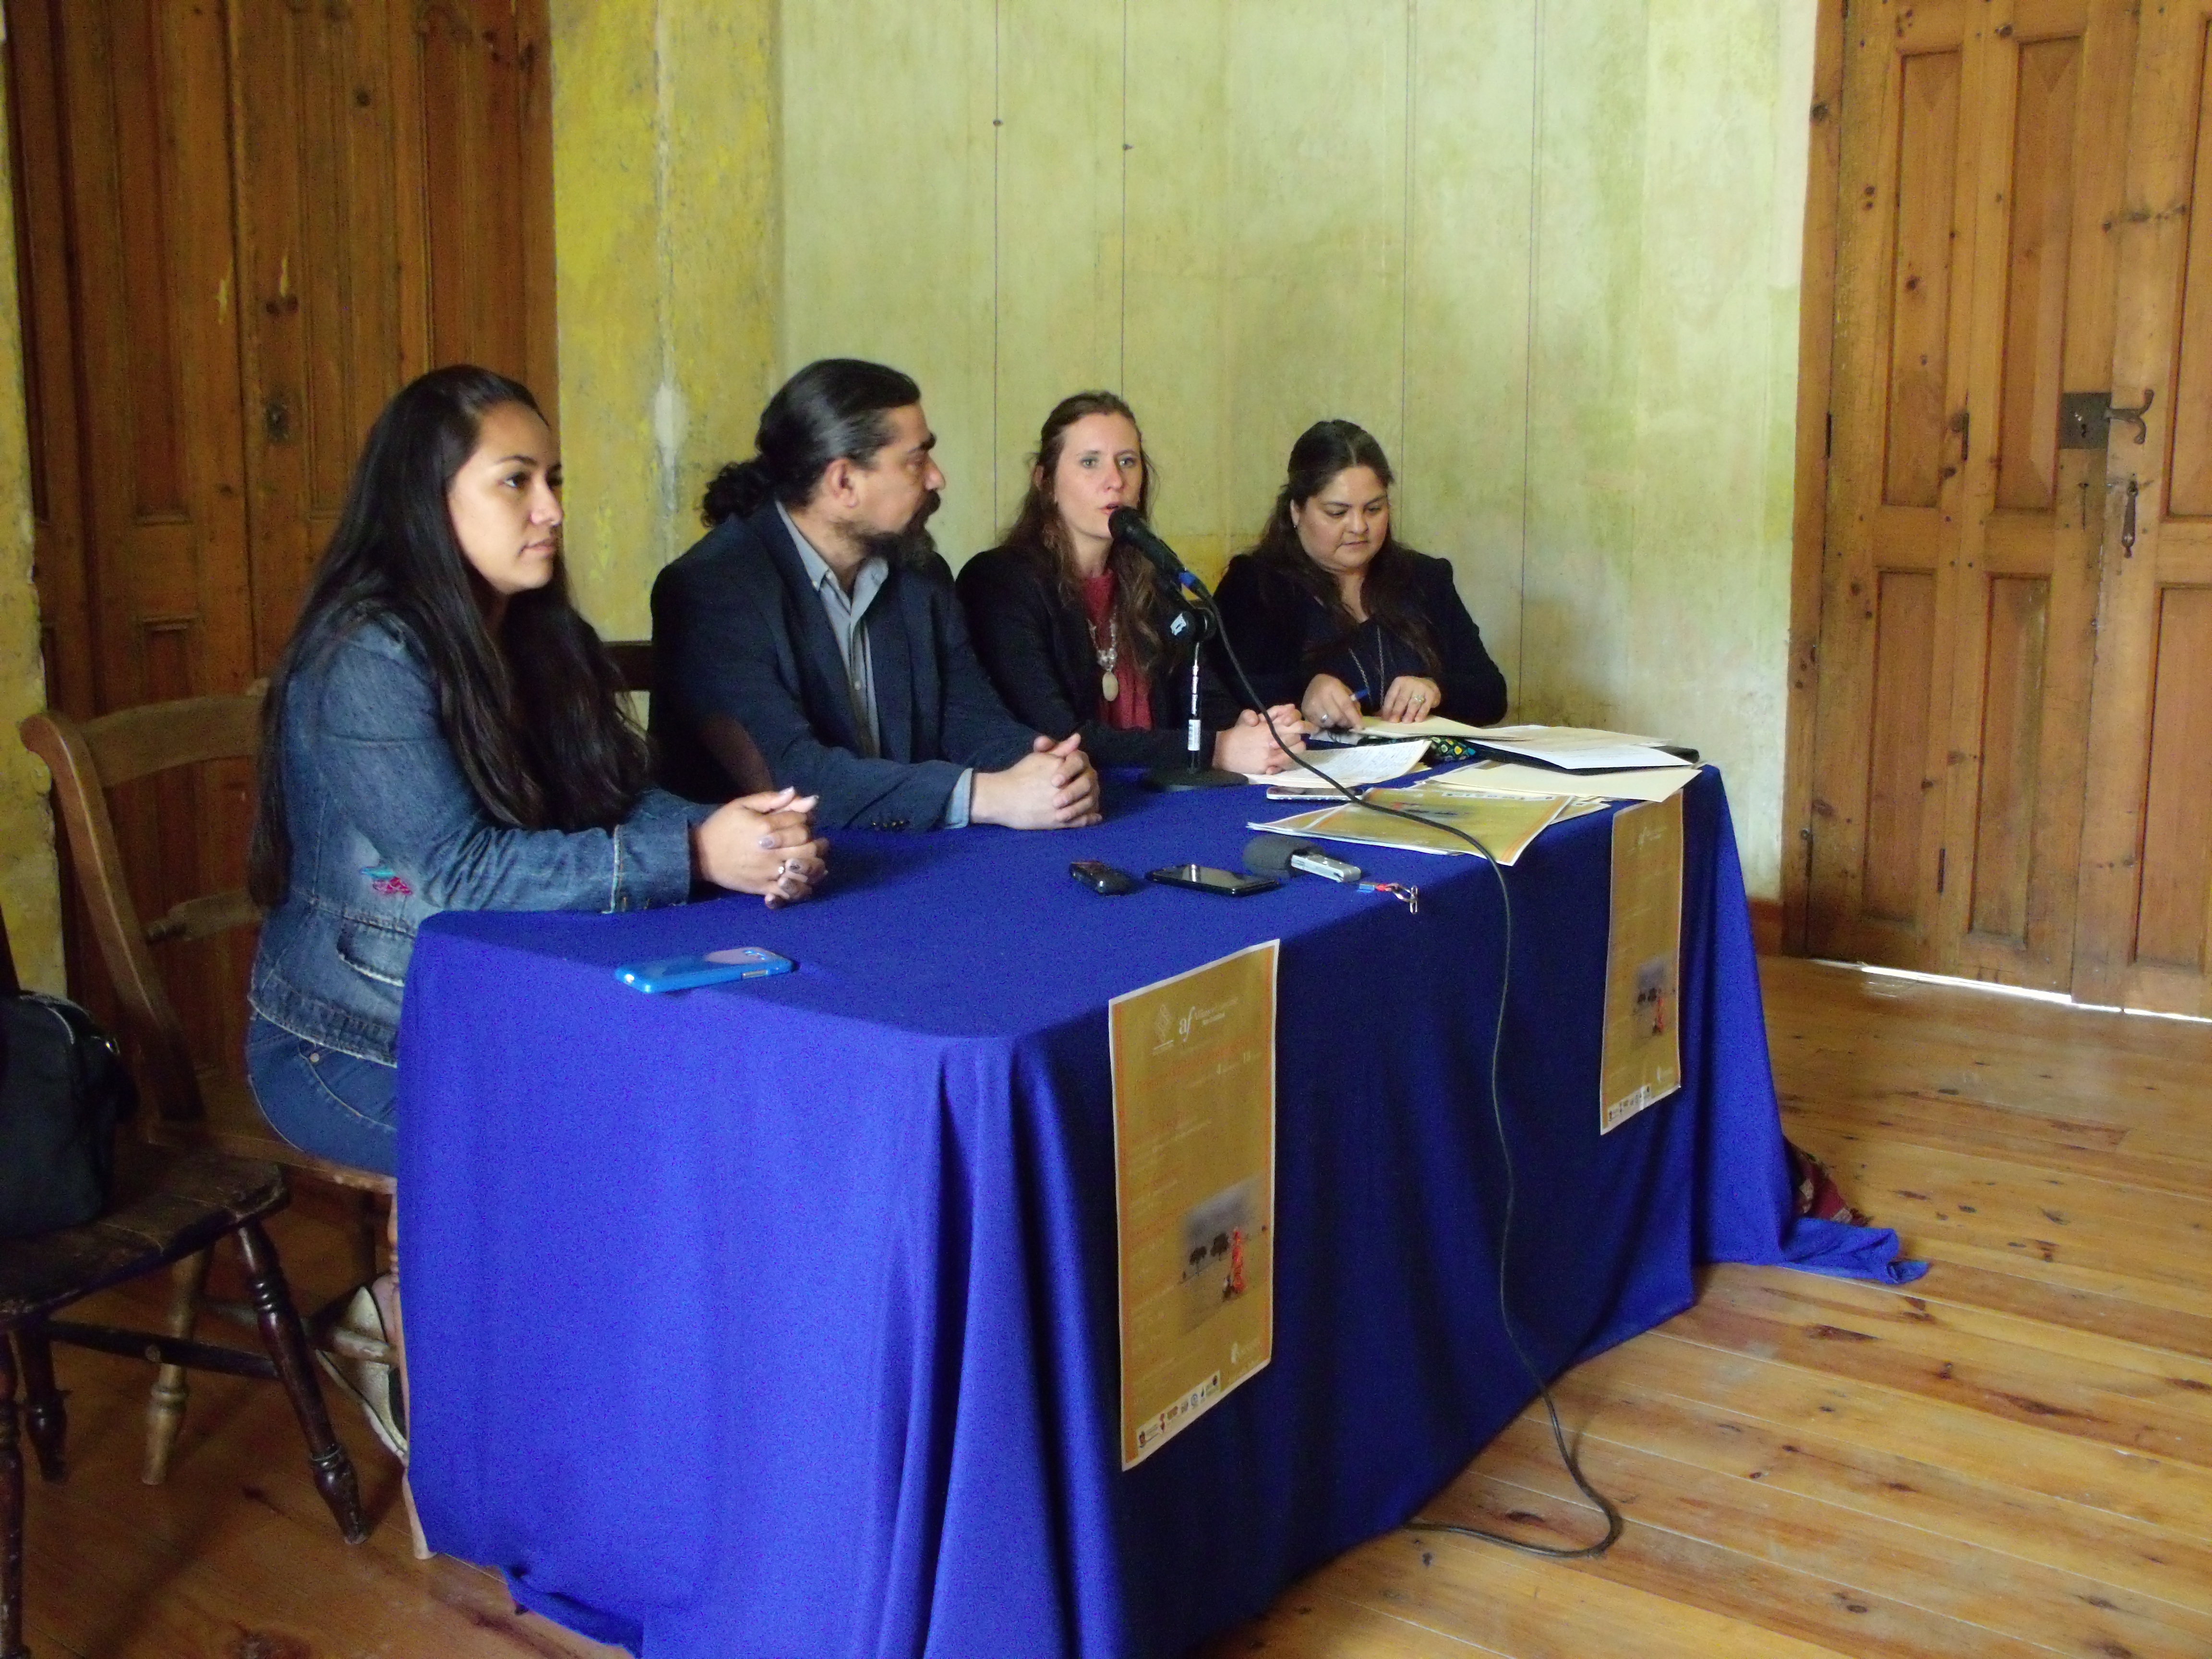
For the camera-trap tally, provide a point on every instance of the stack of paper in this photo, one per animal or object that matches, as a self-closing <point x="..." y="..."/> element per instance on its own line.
<point x="1510" y="778"/>
<point x="1504" y="826"/>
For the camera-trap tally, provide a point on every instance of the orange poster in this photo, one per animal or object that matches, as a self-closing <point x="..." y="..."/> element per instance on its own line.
<point x="1194" y="1190"/>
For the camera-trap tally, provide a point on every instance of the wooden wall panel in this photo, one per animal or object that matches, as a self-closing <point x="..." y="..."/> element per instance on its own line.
<point x="1927" y="153"/>
<point x="2148" y="830"/>
<point x="2017" y="623"/>
<point x="41" y="186"/>
<point x="471" y="74"/>
<point x="317" y="235"/>
<point x="1905" y="655"/>
<point x="2042" y="195"/>
<point x="2189" y="490"/>
<point x="2177" y="851"/>
<point x="147" y="181"/>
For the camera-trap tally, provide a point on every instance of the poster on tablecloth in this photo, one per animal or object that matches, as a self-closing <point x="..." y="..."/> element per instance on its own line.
<point x="1194" y="1061"/>
<point x="1643" y="1056"/>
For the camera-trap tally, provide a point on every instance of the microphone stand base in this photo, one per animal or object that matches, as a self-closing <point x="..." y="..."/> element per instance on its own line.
<point x="1187" y="777"/>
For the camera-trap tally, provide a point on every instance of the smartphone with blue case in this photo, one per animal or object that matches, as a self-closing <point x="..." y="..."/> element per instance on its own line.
<point x="715" y="968"/>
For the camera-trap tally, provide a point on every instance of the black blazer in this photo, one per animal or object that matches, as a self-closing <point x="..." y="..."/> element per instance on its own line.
<point x="738" y="634"/>
<point x="1035" y="643"/>
<point x="1284" y="635"/>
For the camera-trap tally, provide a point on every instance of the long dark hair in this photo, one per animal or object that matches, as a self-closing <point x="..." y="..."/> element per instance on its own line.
<point x="1387" y="589"/>
<point x="533" y="714"/>
<point x="1140" y="596"/>
<point x="837" y="408"/>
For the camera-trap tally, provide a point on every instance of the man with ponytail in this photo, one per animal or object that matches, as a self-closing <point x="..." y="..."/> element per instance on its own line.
<point x="813" y="638"/>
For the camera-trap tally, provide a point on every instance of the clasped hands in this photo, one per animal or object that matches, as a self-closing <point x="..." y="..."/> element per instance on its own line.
<point x="1054" y="786"/>
<point x="764" y="844"/>
<point x="1250" y="747"/>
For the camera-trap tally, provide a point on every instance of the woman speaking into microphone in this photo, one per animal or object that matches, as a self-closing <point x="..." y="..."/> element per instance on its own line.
<point x="1074" y="628"/>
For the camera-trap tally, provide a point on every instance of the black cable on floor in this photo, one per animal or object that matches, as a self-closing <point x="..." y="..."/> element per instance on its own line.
<point x="1614" y="1523"/>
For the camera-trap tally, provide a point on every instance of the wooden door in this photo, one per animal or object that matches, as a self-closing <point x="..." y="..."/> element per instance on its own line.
<point x="394" y="161"/>
<point x="2146" y="886"/>
<point x="1982" y="151"/>
<point x="240" y="228"/>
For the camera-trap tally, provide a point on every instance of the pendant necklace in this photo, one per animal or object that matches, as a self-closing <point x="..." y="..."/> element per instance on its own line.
<point x="1110" y="684"/>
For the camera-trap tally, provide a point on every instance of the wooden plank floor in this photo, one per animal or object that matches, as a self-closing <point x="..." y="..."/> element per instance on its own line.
<point x="2011" y="1457"/>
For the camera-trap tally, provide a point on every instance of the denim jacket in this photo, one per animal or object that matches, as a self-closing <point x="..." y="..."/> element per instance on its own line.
<point x="385" y="830"/>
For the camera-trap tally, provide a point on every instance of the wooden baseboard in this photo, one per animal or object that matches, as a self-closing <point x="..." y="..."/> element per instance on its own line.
<point x="1766" y="926"/>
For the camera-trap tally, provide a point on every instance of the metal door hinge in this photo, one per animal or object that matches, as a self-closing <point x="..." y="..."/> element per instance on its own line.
<point x="1943" y="855"/>
<point x="2085" y="419"/>
<point x="1829" y="451"/>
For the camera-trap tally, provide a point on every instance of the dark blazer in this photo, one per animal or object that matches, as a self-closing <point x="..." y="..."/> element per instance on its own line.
<point x="1035" y="643"/>
<point x="738" y="634"/>
<point x="1284" y="636"/>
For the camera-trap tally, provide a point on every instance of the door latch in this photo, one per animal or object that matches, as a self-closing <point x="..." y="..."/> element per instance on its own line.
<point x="2085" y="419"/>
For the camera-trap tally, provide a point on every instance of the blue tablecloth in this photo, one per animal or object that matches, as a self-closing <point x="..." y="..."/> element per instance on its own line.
<point x="779" y="1319"/>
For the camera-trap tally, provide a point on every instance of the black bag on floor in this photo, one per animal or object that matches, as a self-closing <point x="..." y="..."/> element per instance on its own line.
<point x="63" y="1090"/>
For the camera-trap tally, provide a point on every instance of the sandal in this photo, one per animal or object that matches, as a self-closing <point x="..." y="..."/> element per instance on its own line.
<point x="373" y="1384"/>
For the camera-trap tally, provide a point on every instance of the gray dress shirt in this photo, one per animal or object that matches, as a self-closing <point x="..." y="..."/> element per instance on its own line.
<point x="846" y="612"/>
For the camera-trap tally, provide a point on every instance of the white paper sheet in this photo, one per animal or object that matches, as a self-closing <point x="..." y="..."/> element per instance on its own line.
<point x="1578" y="752"/>
<point x="1373" y="762"/>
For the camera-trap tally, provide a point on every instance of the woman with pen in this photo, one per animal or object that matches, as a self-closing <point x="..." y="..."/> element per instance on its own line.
<point x="1328" y="611"/>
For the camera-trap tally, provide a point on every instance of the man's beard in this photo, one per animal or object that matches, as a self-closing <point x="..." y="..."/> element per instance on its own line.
<point x="910" y="546"/>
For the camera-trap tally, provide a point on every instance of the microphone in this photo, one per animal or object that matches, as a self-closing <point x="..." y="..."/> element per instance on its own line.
<point x="1277" y="855"/>
<point x="1128" y="525"/>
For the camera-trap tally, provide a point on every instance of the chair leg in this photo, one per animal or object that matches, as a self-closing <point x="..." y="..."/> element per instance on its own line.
<point x="282" y="1333"/>
<point x="397" y="1335"/>
<point x="11" y="1516"/>
<point x="45" y="1415"/>
<point x="164" y="1409"/>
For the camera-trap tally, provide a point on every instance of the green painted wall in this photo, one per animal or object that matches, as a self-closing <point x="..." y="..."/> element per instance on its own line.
<point x="666" y="228"/>
<point x="29" y="894"/>
<point x="1546" y="250"/>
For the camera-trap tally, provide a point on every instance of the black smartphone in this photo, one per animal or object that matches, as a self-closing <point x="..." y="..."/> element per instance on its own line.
<point x="1205" y="879"/>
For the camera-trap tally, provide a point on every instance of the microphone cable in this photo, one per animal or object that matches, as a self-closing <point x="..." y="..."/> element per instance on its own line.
<point x="1614" y="1524"/>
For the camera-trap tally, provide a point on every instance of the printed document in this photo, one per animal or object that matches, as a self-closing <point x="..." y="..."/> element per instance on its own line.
<point x="1642" y="1061"/>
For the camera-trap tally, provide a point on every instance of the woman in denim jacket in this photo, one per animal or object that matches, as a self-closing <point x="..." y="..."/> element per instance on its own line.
<point x="444" y="731"/>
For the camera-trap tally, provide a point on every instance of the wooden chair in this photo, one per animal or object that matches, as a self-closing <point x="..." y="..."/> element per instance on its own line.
<point x="633" y="660"/>
<point x="191" y="1108"/>
<point x="731" y="743"/>
<point x="168" y="1209"/>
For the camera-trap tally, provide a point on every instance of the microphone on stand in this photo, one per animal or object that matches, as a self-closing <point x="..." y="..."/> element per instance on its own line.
<point x="1277" y="855"/>
<point x="1128" y="526"/>
<point x="1189" y="627"/>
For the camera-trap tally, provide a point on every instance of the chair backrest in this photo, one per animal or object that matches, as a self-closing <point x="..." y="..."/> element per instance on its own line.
<point x="633" y="660"/>
<point x="91" y="758"/>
